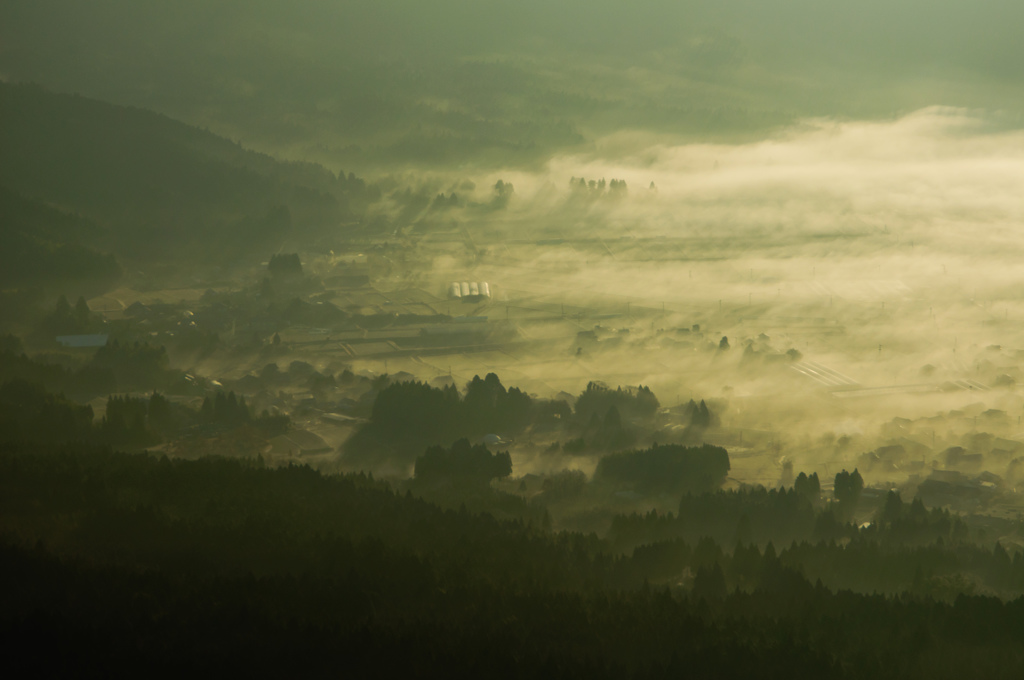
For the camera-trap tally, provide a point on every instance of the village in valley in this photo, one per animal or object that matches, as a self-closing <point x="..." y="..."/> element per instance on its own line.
<point x="306" y="341"/>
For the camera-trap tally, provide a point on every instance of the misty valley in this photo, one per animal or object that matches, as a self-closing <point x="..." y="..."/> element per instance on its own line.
<point x="564" y="342"/>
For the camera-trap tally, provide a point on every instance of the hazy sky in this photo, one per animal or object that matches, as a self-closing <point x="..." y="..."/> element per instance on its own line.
<point x="361" y="84"/>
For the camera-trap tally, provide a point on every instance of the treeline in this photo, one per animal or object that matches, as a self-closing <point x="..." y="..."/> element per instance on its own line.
<point x="782" y="516"/>
<point x="86" y="381"/>
<point x="138" y="422"/>
<point x="598" y="188"/>
<point x="132" y="561"/>
<point x="410" y="416"/>
<point x="862" y="564"/>
<point x="597" y="399"/>
<point x="115" y="367"/>
<point x="906" y="547"/>
<point x="28" y="413"/>
<point x="221" y="516"/>
<point x="136" y="366"/>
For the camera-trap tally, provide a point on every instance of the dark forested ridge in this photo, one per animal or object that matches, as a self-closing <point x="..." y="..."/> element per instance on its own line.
<point x="126" y="561"/>
<point x="130" y="560"/>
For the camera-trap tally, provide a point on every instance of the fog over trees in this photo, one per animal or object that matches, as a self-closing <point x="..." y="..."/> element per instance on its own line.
<point x="538" y="339"/>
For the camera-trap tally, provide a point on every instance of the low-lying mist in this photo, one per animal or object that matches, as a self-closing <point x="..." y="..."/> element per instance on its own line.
<point x="882" y="253"/>
<point x="603" y="339"/>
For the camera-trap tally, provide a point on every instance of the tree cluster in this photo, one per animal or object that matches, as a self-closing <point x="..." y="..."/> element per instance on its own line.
<point x="30" y="413"/>
<point x="597" y="188"/>
<point x="285" y="265"/>
<point x="407" y="417"/>
<point x="669" y="468"/>
<point x="85" y="382"/>
<point x="68" y="320"/>
<point x="698" y="415"/>
<point x="225" y="410"/>
<point x="125" y="422"/>
<point x="630" y="402"/>
<point x="463" y="464"/>
<point x="135" y="366"/>
<point x="847" y="490"/>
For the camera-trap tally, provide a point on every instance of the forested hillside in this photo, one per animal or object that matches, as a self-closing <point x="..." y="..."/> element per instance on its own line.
<point x="42" y="246"/>
<point x="156" y="186"/>
<point x="132" y="561"/>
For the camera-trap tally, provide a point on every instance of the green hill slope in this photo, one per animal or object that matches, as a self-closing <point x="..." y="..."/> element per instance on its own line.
<point x="42" y="246"/>
<point x="156" y="186"/>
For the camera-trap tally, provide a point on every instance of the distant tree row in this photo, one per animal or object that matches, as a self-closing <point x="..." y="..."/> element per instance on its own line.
<point x="30" y="413"/>
<point x="617" y="187"/>
<point x="784" y="516"/>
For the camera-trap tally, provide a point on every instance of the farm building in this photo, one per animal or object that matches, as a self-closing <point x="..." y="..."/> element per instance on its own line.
<point x="470" y="291"/>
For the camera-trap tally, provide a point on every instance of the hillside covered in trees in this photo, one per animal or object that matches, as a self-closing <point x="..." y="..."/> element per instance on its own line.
<point x="146" y="186"/>
<point x="133" y="560"/>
